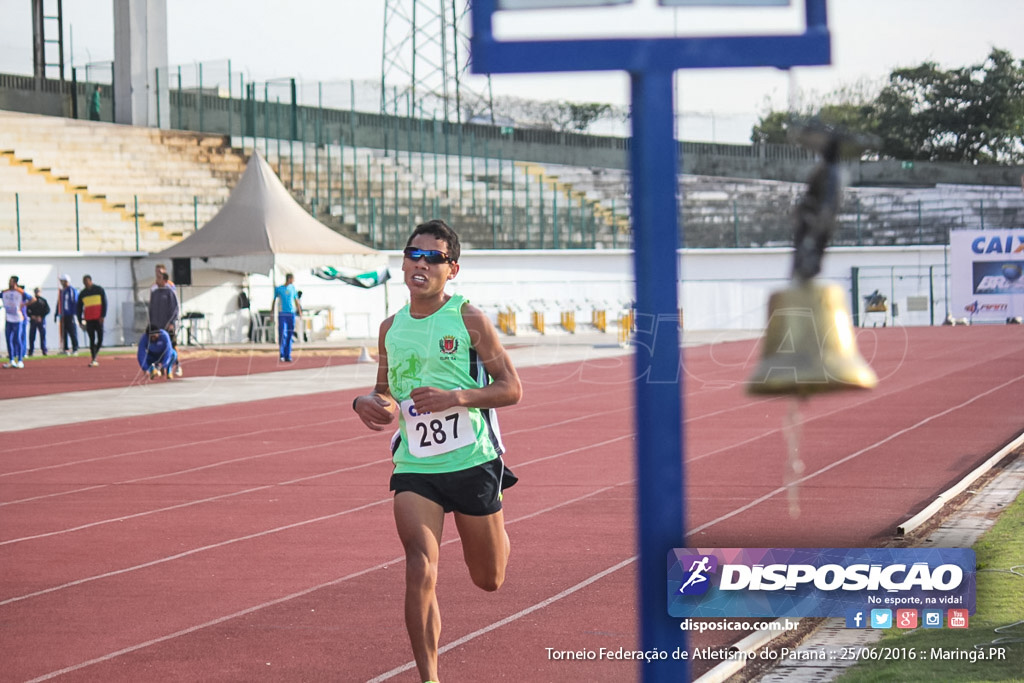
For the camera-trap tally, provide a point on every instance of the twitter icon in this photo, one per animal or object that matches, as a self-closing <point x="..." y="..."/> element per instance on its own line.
<point x="881" y="618"/>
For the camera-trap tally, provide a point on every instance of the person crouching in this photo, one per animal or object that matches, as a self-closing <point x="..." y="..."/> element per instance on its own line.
<point x="156" y="353"/>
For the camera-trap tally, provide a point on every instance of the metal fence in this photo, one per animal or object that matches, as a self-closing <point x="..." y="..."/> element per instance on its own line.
<point x="496" y="203"/>
<point x="371" y="174"/>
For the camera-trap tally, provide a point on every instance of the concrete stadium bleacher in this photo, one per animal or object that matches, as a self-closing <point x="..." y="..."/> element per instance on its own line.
<point x="36" y="214"/>
<point x="178" y="180"/>
<point x="500" y="203"/>
<point x="375" y="196"/>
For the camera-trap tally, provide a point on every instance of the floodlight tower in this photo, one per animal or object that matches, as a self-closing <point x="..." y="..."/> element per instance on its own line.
<point x="44" y="22"/>
<point x="426" y="61"/>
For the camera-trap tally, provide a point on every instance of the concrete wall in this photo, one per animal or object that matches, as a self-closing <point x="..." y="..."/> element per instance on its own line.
<point x="724" y="289"/>
<point x="112" y="272"/>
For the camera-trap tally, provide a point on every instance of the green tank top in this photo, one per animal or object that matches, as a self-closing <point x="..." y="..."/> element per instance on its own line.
<point x="435" y="351"/>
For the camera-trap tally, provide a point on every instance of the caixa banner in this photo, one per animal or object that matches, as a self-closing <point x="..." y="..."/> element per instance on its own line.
<point x="987" y="274"/>
<point x="816" y="582"/>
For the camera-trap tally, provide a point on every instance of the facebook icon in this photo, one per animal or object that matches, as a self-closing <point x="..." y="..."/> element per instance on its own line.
<point x="856" y="618"/>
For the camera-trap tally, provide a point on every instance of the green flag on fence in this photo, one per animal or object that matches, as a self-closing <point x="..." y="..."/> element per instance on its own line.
<point x="350" y="276"/>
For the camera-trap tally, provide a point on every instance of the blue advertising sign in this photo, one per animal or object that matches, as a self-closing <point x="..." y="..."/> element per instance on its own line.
<point x="987" y="274"/>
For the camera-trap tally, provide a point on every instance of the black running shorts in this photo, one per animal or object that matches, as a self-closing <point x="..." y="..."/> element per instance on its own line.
<point x="475" y="491"/>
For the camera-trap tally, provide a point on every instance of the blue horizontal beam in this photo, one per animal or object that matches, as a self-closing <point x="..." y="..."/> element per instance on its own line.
<point x="645" y="54"/>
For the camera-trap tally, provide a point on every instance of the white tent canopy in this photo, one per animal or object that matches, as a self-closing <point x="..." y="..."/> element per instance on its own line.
<point x="262" y="228"/>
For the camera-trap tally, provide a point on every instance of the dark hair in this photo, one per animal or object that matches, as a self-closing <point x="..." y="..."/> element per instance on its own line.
<point x="442" y="231"/>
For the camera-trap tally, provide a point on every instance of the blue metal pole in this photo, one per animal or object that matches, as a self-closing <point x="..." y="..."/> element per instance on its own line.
<point x="659" y="403"/>
<point x="656" y="238"/>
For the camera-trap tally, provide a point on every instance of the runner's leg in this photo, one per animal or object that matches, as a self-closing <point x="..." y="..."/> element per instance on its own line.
<point x="485" y="547"/>
<point x="419" y="522"/>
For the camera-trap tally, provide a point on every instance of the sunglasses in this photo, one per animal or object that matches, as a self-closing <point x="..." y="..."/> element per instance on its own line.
<point x="432" y="256"/>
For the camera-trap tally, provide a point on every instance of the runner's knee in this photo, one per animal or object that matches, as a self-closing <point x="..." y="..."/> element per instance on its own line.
<point x="420" y="572"/>
<point x="488" y="578"/>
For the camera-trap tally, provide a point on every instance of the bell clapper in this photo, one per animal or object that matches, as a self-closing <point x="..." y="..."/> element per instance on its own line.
<point x="792" y="424"/>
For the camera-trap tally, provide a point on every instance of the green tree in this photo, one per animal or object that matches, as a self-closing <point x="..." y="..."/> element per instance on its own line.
<point x="562" y="116"/>
<point x="773" y="128"/>
<point x="972" y="114"/>
<point x="583" y="114"/>
<point x="572" y="117"/>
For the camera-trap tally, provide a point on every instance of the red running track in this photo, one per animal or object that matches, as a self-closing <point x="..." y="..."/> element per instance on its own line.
<point x="239" y="545"/>
<point x="54" y="374"/>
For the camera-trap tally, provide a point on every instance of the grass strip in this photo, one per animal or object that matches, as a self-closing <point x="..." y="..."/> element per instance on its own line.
<point x="979" y="652"/>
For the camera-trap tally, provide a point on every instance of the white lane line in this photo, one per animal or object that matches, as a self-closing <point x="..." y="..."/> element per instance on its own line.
<point x="277" y="601"/>
<point x="509" y="619"/>
<point x="193" y="551"/>
<point x="190" y="503"/>
<point x="608" y="571"/>
<point x="848" y="458"/>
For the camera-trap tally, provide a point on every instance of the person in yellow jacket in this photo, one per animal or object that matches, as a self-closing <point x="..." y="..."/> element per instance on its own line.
<point x="442" y="373"/>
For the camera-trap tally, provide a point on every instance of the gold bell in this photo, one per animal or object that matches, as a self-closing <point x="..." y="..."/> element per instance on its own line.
<point x="809" y="346"/>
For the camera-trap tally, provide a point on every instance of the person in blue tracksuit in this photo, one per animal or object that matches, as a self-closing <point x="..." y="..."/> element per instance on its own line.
<point x="290" y="308"/>
<point x="156" y="353"/>
<point x="67" y="310"/>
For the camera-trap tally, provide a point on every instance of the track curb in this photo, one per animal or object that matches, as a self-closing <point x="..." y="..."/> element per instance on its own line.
<point x="725" y="670"/>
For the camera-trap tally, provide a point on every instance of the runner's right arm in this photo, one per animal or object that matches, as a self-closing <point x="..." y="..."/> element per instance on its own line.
<point x="377" y="409"/>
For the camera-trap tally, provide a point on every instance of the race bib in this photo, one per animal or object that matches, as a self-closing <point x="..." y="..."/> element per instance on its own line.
<point x="431" y="434"/>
